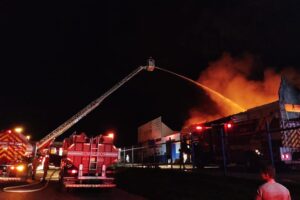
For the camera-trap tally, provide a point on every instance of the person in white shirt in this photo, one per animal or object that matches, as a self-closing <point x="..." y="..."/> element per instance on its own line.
<point x="271" y="190"/>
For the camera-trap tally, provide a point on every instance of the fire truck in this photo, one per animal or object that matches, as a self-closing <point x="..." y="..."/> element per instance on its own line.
<point x="88" y="162"/>
<point x="96" y="153"/>
<point x="20" y="158"/>
<point x="15" y="155"/>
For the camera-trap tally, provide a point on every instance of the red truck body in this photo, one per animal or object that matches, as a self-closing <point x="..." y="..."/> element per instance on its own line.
<point x="15" y="151"/>
<point x="87" y="162"/>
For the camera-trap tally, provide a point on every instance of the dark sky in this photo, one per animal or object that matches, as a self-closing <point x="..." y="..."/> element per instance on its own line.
<point x="58" y="56"/>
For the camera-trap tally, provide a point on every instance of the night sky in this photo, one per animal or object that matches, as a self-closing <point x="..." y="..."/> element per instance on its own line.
<point x="58" y="56"/>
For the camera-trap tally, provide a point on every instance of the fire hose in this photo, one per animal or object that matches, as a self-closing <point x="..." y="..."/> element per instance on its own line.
<point x="18" y="189"/>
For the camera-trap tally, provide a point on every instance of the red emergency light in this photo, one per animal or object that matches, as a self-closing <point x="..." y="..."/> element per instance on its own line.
<point x="72" y="171"/>
<point x="199" y="128"/>
<point x="286" y="156"/>
<point x="228" y="125"/>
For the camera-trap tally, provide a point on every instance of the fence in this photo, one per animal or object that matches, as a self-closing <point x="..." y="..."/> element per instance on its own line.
<point x="238" y="147"/>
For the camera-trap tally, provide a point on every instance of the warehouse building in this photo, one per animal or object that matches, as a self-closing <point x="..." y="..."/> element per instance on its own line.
<point x="160" y="142"/>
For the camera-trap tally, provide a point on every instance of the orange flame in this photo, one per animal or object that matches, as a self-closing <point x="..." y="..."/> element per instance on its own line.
<point x="230" y="77"/>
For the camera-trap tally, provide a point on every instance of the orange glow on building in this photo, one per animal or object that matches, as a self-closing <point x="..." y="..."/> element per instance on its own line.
<point x="292" y="107"/>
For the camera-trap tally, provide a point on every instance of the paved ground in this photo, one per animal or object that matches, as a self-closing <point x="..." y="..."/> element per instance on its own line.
<point x="200" y="184"/>
<point x="155" y="183"/>
<point x="53" y="192"/>
<point x="291" y="176"/>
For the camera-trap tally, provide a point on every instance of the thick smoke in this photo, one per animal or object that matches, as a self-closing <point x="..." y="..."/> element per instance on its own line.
<point x="231" y="77"/>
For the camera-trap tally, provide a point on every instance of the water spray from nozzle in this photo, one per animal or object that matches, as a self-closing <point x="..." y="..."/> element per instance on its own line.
<point x="225" y="99"/>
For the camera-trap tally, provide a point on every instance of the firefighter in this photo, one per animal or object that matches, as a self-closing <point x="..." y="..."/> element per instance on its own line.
<point x="181" y="160"/>
<point x="184" y="150"/>
<point x="35" y="164"/>
<point x="46" y="166"/>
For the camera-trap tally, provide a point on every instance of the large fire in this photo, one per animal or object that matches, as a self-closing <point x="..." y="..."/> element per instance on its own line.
<point x="232" y="78"/>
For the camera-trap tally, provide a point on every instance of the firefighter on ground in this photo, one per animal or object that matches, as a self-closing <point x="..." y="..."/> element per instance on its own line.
<point x="184" y="149"/>
<point x="46" y="166"/>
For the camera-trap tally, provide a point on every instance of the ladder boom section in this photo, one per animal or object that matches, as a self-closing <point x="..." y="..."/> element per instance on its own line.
<point x="86" y="110"/>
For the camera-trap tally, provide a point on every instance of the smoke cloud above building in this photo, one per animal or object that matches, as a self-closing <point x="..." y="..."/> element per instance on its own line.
<point x="231" y="77"/>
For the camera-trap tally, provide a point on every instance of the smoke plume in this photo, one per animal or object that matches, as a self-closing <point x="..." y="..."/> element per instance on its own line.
<point x="232" y="78"/>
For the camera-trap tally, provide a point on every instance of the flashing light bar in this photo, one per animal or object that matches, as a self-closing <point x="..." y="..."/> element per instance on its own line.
<point x="90" y="185"/>
<point x="2" y="179"/>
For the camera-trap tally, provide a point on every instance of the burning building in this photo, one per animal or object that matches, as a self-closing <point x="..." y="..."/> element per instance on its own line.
<point x="267" y="132"/>
<point x="270" y="132"/>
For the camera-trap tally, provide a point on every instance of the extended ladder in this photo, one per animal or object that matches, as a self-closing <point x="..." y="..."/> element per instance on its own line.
<point x="90" y="107"/>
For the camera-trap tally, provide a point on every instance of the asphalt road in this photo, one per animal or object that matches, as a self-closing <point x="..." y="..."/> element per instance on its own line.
<point x="52" y="192"/>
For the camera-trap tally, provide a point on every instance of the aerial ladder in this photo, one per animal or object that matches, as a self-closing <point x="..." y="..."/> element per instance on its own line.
<point x="48" y="139"/>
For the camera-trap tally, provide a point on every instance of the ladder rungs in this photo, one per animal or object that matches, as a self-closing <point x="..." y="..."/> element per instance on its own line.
<point x="93" y="165"/>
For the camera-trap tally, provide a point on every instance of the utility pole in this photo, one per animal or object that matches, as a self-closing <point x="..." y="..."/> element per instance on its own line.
<point x="223" y="150"/>
<point x="270" y="142"/>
